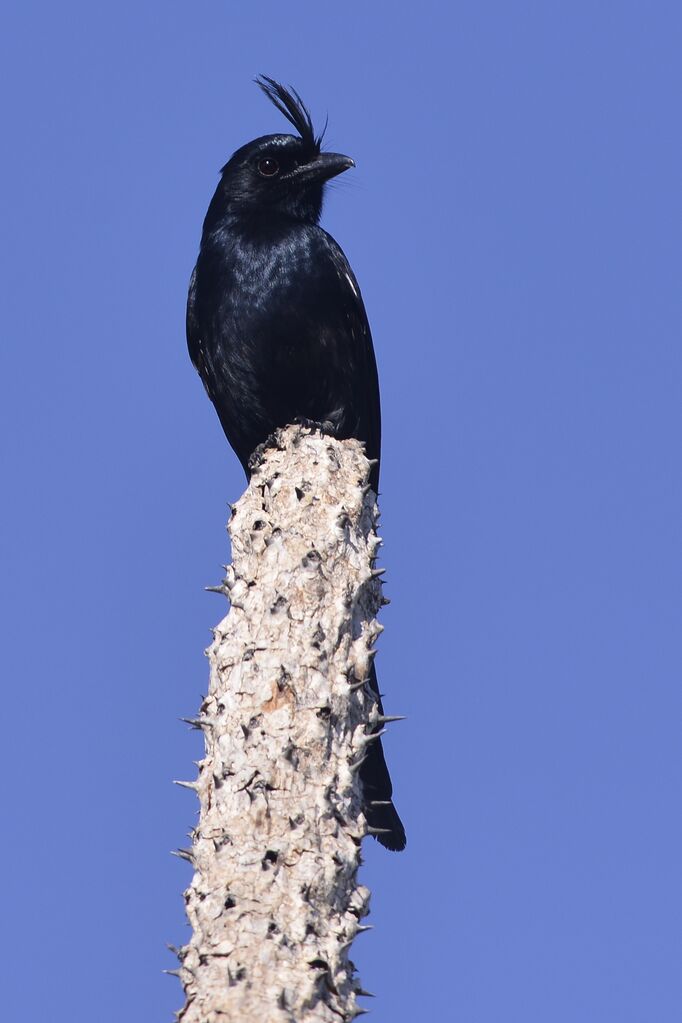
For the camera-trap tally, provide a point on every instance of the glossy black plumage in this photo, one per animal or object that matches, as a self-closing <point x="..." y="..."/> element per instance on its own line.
<point x="276" y="326"/>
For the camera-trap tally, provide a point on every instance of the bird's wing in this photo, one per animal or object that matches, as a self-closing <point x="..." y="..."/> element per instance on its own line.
<point x="192" y="324"/>
<point x="195" y="343"/>
<point x="360" y="336"/>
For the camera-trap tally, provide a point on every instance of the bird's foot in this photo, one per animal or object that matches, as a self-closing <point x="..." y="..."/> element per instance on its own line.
<point x="273" y="440"/>
<point x="325" y="429"/>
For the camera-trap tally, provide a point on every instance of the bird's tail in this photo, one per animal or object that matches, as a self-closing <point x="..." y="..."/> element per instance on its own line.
<point x="382" y="816"/>
<point x="389" y="827"/>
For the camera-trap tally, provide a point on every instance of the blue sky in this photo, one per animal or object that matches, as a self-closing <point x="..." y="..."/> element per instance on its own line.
<point x="514" y="222"/>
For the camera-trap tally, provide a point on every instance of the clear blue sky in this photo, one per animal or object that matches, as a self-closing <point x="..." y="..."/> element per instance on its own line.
<point x="515" y="225"/>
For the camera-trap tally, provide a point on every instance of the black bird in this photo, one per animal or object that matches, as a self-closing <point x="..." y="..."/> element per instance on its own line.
<point x="277" y="329"/>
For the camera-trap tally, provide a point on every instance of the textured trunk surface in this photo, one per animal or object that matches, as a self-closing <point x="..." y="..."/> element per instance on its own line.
<point x="274" y="902"/>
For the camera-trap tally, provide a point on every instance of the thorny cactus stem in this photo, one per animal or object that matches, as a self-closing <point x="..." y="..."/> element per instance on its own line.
<point x="274" y="903"/>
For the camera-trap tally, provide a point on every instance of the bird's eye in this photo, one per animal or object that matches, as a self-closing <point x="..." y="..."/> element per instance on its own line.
<point x="268" y="167"/>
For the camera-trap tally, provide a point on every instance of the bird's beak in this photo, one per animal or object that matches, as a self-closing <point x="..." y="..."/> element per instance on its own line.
<point x="322" y="168"/>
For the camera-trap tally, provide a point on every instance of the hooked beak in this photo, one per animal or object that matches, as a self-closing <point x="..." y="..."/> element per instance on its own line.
<point x="322" y="168"/>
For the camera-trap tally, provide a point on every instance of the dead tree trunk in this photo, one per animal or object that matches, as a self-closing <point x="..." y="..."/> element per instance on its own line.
<point x="274" y="903"/>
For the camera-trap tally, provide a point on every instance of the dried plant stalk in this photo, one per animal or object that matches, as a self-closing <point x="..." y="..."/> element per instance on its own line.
<point x="274" y="902"/>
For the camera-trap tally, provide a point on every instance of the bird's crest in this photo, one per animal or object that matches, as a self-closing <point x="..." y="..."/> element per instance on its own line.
<point x="289" y="103"/>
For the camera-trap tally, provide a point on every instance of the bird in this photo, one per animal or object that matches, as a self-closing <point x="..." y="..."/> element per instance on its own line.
<point x="278" y="332"/>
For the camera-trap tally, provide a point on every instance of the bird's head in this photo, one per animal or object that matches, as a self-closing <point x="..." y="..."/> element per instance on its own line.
<point x="280" y="173"/>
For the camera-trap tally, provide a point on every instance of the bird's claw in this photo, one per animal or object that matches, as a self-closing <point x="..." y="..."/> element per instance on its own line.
<point x="273" y="440"/>
<point x="325" y="429"/>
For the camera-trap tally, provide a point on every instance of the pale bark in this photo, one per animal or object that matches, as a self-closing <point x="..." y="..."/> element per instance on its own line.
<point x="274" y="902"/>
